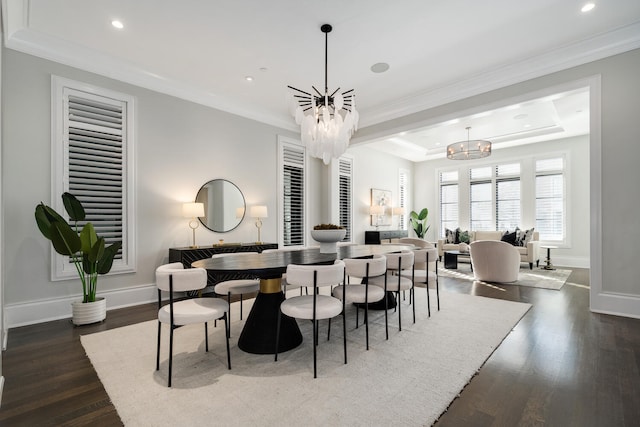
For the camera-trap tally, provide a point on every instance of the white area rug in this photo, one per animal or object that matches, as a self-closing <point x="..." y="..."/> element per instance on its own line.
<point x="409" y="380"/>
<point x="536" y="278"/>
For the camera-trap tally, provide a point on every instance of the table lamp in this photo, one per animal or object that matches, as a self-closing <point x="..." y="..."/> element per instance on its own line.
<point x="258" y="212"/>
<point x="193" y="210"/>
<point x="376" y="210"/>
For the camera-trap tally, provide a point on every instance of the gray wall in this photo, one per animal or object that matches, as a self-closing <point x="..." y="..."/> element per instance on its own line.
<point x="615" y="287"/>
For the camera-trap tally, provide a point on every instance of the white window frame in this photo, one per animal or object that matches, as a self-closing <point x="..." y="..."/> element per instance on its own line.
<point x="346" y="159"/>
<point x="297" y="145"/>
<point x="565" y="241"/>
<point x="61" y="268"/>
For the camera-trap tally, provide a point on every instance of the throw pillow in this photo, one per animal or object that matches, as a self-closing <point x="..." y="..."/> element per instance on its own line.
<point x="509" y="237"/>
<point x="450" y="236"/>
<point x="463" y="236"/>
<point x="523" y="236"/>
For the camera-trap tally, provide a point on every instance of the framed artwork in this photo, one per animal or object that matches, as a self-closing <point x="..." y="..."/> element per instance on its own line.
<point x="381" y="198"/>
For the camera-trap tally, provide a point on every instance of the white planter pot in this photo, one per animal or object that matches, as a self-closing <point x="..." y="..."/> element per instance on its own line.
<point x="328" y="239"/>
<point x="84" y="313"/>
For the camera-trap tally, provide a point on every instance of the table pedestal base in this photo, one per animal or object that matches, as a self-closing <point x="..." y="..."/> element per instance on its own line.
<point x="259" y="333"/>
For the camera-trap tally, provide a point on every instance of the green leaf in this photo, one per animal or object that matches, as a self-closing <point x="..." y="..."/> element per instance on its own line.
<point x="96" y="251"/>
<point x="65" y="241"/>
<point x="88" y="237"/>
<point x="104" y="265"/>
<point x="73" y="207"/>
<point x="423" y="214"/>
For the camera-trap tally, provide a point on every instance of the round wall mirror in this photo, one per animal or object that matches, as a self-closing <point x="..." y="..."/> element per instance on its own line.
<point x="224" y="205"/>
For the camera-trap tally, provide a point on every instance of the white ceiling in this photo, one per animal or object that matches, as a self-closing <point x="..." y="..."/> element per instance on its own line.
<point x="438" y="51"/>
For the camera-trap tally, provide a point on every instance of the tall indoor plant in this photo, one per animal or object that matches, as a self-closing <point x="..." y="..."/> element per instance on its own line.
<point x="88" y="252"/>
<point x="419" y="222"/>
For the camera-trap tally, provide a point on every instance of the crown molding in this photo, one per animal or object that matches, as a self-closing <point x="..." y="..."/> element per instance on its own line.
<point x="19" y="37"/>
<point x="598" y="47"/>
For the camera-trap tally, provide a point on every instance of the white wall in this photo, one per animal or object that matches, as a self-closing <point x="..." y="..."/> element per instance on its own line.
<point x="576" y="252"/>
<point x="179" y="146"/>
<point x="373" y="169"/>
<point x="614" y="175"/>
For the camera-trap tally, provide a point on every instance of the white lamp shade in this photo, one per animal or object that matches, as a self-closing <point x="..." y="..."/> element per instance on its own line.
<point x="258" y="212"/>
<point x="376" y="210"/>
<point x="193" y="210"/>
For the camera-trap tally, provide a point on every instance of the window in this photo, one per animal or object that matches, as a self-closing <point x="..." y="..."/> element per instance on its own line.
<point x="345" y="176"/>
<point x="503" y="212"/>
<point x="448" y="201"/>
<point x="93" y="159"/>
<point x="403" y="198"/>
<point x="291" y="189"/>
<point x="550" y="200"/>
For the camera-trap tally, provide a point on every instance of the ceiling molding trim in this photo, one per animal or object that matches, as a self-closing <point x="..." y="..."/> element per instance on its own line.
<point x="598" y="47"/>
<point x="37" y="44"/>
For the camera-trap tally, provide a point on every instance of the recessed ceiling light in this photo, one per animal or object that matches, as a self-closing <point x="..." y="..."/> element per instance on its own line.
<point x="263" y="69"/>
<point x="587" y="7"/>
<point x="380" y="67"/>
<point x="249" y="78"/>
<point x="527" y="125"/>
<point x="117" y="24"/>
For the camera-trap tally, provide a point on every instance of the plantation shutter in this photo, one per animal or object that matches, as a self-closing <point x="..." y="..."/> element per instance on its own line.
<point x="293" y="209"/>
<point x="403" y="180"/>
<point x="345" y="170"/>
<point x="448" y="201"/>
<point x="92" y="149"/>
<point x="96" y="163"/>
<point x="508" y="196"/>
<point x="550" y="200"/>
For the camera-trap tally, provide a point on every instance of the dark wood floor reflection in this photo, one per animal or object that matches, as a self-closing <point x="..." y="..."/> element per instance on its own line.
<point x="561" y="366"/>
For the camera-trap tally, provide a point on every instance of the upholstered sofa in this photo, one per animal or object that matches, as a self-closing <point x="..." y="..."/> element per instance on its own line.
<point x="528" y="253"/>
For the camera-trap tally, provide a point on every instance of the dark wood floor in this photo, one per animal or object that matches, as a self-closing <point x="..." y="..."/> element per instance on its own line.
<point x="561" y="366"/>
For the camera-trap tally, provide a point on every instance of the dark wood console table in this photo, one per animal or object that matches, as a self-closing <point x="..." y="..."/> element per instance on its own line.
<point x="188" y="255"/>
<point x="375" y="237"/>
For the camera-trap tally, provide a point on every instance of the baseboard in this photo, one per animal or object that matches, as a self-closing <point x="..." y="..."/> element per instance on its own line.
<point x="615" y="304"/>
<point x="569" y="261"/>
<point x="29" y="313"/>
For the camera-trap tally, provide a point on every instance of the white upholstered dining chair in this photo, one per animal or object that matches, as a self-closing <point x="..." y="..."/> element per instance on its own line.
<point x="398" y="265"/>
<point x="425" y="272"/>
<point x="363" y="269"/>
<point x="314" y="307"/>
<point x="236" y="286"/>
<point x="174" y="278"/>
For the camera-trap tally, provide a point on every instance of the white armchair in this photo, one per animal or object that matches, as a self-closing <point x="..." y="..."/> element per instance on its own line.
<point x="494" y="261"/>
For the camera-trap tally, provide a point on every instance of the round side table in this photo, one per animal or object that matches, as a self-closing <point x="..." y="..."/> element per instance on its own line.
<point x="549" y="265"/>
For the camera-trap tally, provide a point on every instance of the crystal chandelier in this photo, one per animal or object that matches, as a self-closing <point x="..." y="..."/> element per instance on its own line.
<point x="327" y="120"/>
<point x="467" y="150"/>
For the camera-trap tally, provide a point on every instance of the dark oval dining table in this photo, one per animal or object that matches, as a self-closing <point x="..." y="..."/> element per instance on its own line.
<point x="258" y="335"/>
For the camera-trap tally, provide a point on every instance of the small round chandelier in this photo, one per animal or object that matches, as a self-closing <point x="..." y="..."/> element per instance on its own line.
<point x="469" y="149"/>
<point x="327" y="120"/>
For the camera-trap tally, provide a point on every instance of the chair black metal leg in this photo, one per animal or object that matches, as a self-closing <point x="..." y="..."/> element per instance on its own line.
<point x="227" y="338"/>
<point x="386" y="310"/>
<point x="399" y="305"/>
<point x="170" y="355"/>
<point x="228" y="325"/>
<point x="412" y="296"/>
<point x="428" y="302"/>
<point x="438" y="293"/>
<point x="315" y="349"/>
<point x="344" y="334"/>
<point x="206" y="337"/>
<point x="329" y="330"/>
<point x="366" y="315"/>
<point x="158" y="352"/>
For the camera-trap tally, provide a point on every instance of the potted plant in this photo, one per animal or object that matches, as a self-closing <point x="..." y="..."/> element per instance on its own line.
<point x="328" y="235"/>
<point x="85" y="249"/>
<point x="419" y="222"/>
